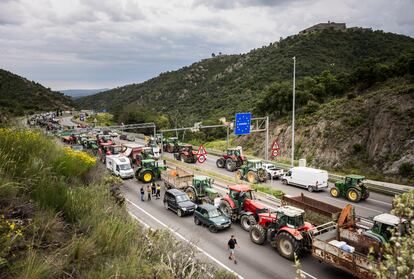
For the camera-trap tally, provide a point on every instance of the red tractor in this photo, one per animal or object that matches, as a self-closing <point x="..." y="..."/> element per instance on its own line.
<point x="239" y="204"/>
<point x="285" y="229"/>
<point x="233" y="160"/>
<point x="107" y="148"/>
<point x="186" y="154"/>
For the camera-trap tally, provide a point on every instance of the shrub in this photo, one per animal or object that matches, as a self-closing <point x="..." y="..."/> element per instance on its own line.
<point x="406" y="170"/>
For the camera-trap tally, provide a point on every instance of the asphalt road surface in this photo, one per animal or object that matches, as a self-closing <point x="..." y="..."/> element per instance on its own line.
<point x="254" y="261"/>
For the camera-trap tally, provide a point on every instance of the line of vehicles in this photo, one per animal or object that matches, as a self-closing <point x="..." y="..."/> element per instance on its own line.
<point x="301" y="224"/>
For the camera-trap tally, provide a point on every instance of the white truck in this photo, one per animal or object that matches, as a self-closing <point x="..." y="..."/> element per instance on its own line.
<point x="309" y="178"/>
<point x="272" y="171"/>
<point x="120" y="166"/>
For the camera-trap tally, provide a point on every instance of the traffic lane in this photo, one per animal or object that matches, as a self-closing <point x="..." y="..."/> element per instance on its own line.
<point x="254" y="261"/>
<point x="367" y="209"/>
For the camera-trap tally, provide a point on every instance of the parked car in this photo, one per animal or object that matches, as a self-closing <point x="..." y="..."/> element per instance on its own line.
<point x="178" y="202"/>
<point x="126" y="137"/>
<point x="212" y="217"/>
<point x="309" y="178"/>
<point x="114" y="134"/>
<point x="272" y="171"/>
<point x="77" y="147"/>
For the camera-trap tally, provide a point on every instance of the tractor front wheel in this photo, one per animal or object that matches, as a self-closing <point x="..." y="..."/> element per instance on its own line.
<point x="247" y="221"/>
<point x="226" y="208"/>
<point x="366" y="195"/>
<point x="353" y="195"/>
<point x="287" y="245"/>
<point x="334" y="192"/>
<point x="230" y="165"/>
<point x="220" y="163"/>
<point x="252" y="177"/>
<point x="238" y="175"/>
<point x="258" y="234"/>
<point x="147" y="176"/>
<point x="191" y="194"/>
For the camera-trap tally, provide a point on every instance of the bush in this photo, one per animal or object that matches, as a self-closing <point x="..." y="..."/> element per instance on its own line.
<point x="406" y="170"/>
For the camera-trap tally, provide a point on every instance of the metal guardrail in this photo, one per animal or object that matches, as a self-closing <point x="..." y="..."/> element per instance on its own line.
<point x="334" y="177"/>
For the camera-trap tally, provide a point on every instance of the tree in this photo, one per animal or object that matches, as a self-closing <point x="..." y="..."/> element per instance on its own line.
<point x="398" y="260"/>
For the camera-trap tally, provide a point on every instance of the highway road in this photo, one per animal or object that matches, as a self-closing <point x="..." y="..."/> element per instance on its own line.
<point x="374" y="205"/>
<point x="254" y="261"/>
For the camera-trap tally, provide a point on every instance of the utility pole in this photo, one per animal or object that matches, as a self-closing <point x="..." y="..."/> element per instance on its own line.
<point x="293" y="112"/>
<point x="267" y="139"/>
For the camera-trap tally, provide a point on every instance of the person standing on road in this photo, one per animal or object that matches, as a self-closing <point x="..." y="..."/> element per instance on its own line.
<point x="158" y="191"/>
<point x="232" y="246"/>
<point x="153" y="188"/>
<point x="142" y="193"/>
<point x="149" y="192"/>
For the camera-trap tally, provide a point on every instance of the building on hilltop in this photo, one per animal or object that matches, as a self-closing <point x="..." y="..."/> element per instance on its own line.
<point x="322" y="26"/>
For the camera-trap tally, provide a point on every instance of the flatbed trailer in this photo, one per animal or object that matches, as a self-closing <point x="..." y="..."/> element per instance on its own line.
<point x="357" y="262"/>
<point x="316" y="212"/>
<point x="178" y="178"/>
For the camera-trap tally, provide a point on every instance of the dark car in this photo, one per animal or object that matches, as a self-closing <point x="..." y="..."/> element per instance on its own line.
<point x="212" y="217"/>
<point x="178" y="202"/>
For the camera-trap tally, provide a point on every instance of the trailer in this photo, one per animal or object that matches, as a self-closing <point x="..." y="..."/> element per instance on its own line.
<point x="347" y="249"/>
<point x="198" y="188"/>
<point x="316" y="212"/>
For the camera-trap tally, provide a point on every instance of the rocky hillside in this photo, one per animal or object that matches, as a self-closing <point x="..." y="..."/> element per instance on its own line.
<point x="370" y="133"/>
<point x="19" y="96"/>
<point x="228" y="84"/>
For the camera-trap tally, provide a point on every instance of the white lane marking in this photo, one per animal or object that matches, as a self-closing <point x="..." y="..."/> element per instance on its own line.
<point x="139" y="220"/>
<point x="357" y="205"/>
<point x="186" y="240"/>
<point x="386" y="203"/>
<point x="307" y="274"/>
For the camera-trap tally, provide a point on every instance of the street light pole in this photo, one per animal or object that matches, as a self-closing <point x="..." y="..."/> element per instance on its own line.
<point x="267" y="139"/>
<point x="293" y="112"/>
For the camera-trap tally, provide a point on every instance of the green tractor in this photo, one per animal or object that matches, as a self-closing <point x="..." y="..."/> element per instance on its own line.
<point x="252" y="171"/>
<point x="384" y="223"/>
<point x="171" y="145"/>
<point x="352" y="188"/>
<point x="202" y="190"/>
<point x="149" y="170"/>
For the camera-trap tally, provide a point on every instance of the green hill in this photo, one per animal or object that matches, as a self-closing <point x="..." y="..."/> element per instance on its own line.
<point x="223" y="85"/>
<point x="19" y="96"/>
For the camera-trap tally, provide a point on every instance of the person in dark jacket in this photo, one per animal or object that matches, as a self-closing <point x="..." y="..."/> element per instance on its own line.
<point x="231" y="244"/>
<point x="142" y="193"/>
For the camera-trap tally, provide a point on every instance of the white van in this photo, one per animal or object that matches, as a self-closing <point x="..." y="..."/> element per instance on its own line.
<point x="119" y="166"/>
<point x="312" y="179"/>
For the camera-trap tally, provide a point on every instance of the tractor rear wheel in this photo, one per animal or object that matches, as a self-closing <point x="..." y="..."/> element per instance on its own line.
<point x="238" y="175"/>
<point x="257" y="234"/>
<point x="252" y="177"/>
<point x="353" y="195"/>
<point x="220" y="163"/>
<point x="230" y="165"/>
<point x="334" y="192"/>
<point x="287" y="245"/>
<point x="226" y="208"/>
<point x="147" y="176"/>
<point x="247" y="221"/>
<point x="191" y="194"/>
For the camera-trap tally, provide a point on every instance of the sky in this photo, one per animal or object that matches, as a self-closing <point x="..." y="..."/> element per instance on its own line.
<point x="68" y="44"/>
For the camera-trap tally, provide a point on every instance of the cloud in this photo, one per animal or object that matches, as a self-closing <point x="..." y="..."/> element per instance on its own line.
<point x="106" y="43"/>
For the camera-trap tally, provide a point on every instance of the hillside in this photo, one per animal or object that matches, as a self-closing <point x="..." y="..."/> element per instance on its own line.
<point x="77" y="93"/>
<point x="370" y="132"/>
<point x="19" y="96"/>
<point x="234" y="83"/>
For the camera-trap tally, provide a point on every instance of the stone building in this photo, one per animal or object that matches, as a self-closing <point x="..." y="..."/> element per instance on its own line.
<point x="322" y="26"/>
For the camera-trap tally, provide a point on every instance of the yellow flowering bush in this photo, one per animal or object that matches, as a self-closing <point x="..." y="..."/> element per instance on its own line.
<point x="74" y="163"/>
<point x="10" y="234"/>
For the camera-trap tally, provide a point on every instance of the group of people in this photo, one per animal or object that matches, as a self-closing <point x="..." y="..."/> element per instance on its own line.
<point x="153" y="190"/>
